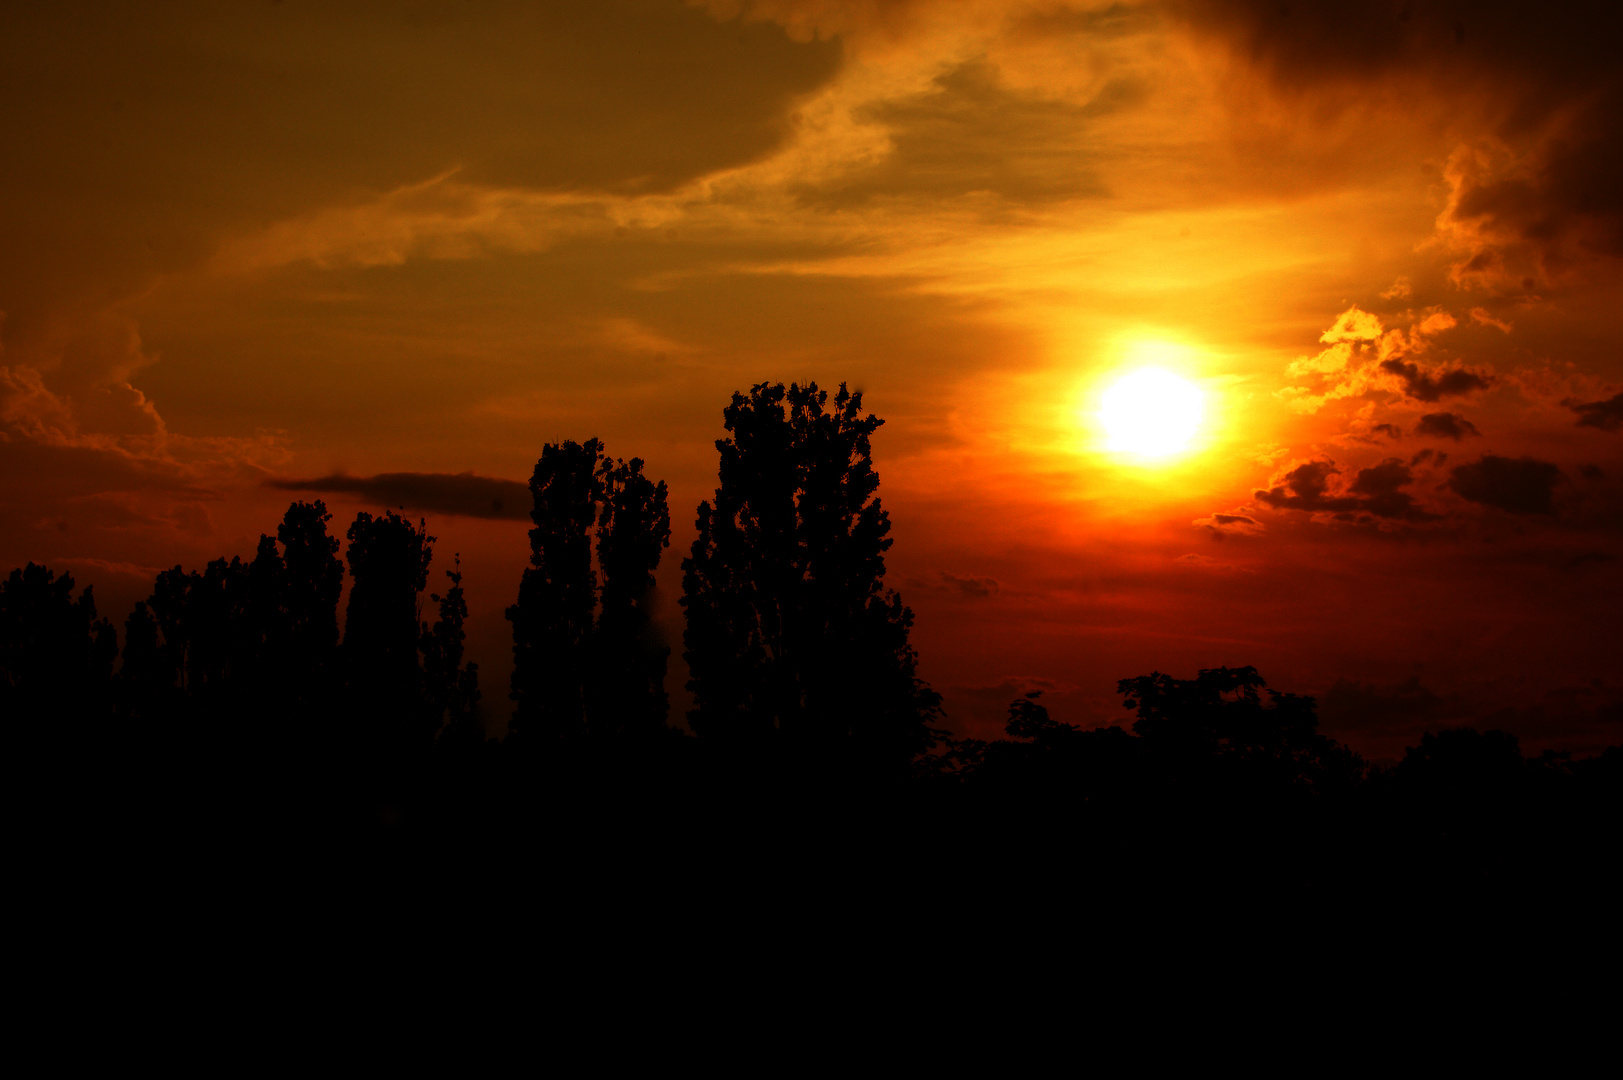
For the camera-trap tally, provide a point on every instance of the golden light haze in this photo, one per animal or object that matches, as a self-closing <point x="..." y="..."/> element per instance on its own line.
<point x="285" y="242"/>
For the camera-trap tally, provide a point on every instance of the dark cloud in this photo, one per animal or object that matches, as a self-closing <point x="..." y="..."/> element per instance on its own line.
<point x="1519" y="485"/>
<point x="1435" y="456"/>
<point x="1381" y="719"/>
<point x="1538" y="57"/>
<point x="969" y="585"/>
<point x="1352" y="706"/>
<point x="1376" y="491"/>
<point x="1223" y="526"/>
<point x="1551" y="192"/>
<point x="1389" y="430"/>
<point x="1579" y="718"/>
<point x="980" y="709"/>
<point x="1445" y="425"/>
<point x="1424" y="386"/>
<point x="970" y="133"/>
<point x="31" y="473"/>
<point x="135" y="138"/>
<point x="960" y="584"/>
<point x="1211" y="566"/>
<point x="1591" y="472"/>
<point x="1606" y="415"/>
<point x="443" y="493"/>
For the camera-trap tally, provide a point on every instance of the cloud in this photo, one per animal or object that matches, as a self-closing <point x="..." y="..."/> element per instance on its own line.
<point x="1353" y="706"/>
<point x="443" y="493"/>
<point x="1445" y="425"/>
<point x="1437" y="457"/>
<point x="1352" y="325"/>
<point x="971" y="133"/>
<point x="105" y="566"/>
<point x="1375" y="491"/>
<point x="72" y="426"/>
<point x="1364" y="356"/>
<point x="968" y="585"/>
<point x="1487" y="318"/>
<point x="1222" y="526"/>
<point x="1536" y="184"/>
<point x="1606" y="415"/>
<point x="999" y="694"/>
<point x="1210" y="565"/>
<point x="1526" y="217"/>
<point x="1519" y="485"/>
<point x="1428" y="386"/>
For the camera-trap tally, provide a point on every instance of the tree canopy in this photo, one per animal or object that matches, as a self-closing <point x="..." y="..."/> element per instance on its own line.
<point x="792" y="638"/>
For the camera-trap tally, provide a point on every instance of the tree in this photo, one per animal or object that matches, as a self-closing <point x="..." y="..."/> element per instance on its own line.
<point x="553" y="616"/>
<point x="388" y="560"/>
<point x="308" y="578"/>
<point x="634" y="528"/>
<point x="586" y="664"/>
<point x="56" y="659"/>
<point x="1216" y="729"/>
<point x="450" y="687"/>
<point x="227" y="672"/>
<point x="194" y="649"/>
<point x="792" y="639"/>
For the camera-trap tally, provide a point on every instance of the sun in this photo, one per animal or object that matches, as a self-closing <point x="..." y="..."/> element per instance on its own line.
<point x="1151" y="413"/>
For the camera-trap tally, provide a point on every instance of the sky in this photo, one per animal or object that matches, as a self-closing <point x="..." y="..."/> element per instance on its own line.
<point x="381" y="253"/>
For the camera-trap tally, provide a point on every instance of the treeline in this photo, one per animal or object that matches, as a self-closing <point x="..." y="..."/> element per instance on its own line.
<point x="241" y="706"/>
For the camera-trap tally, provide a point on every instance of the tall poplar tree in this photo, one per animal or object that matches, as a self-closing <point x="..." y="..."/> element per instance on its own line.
<point x="586" y="663"/>
<point x="634" y="528"/>
<point x="388" y="562"/>
<point x="792" y="639"/>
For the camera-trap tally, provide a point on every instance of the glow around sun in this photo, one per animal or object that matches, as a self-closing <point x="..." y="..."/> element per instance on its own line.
<point x="1151" y="413"/>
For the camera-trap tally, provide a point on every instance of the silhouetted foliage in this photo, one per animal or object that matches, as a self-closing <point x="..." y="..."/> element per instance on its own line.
<point x="193" y="646"/>
<point x="238" y="722"/>
<point x="311" y="579"/>
<point x="388" y="562"/>
<point x="1216" y="727"/>
<point x="556" y="596"/>
<point x="586" y="665"/>
<point x="1060" y="766"/>
<point x="450" y="686"/>
<point x="56" y="659"/>
<point x="792" y="640"/>
<point x="634" y="528"/>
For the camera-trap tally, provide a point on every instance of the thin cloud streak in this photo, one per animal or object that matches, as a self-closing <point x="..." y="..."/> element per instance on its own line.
<point x="445" y="493"/>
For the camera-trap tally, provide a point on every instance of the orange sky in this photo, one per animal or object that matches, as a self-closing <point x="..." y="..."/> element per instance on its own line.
<point x="287" y="241"/>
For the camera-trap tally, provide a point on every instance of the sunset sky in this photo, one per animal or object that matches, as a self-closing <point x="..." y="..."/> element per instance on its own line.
<point x="263" y="251"/>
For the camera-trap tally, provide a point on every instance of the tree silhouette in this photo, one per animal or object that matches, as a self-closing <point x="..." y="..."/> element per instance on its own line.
<point x="194" y="647"/>
<point x="308" y="578"/>
<point x="553" y="616"/>
<point x="1216" y="728"/>
<point x="451" y="687"/>
<point x="228" y="673"/>
<point x="388" y="561"/>
<point x="56" y="659"/>
<point x="792" y="639"/>
<point x="238" y="721"/>
<point x="156" y="637"/>
<point x="585" y="663"/>
<point x="634" y="527"/>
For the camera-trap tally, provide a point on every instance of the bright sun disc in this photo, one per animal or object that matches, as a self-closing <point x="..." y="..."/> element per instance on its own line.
<point x="1151" y="412"/>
